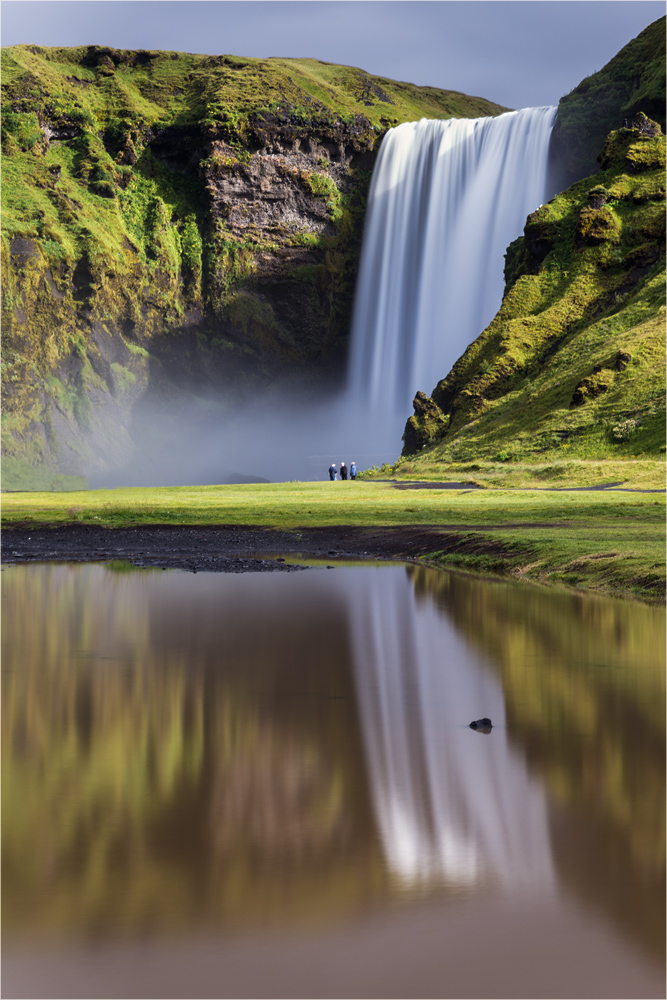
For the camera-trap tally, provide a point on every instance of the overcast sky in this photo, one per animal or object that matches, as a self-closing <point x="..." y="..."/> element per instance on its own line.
<point x="522" y="53"/>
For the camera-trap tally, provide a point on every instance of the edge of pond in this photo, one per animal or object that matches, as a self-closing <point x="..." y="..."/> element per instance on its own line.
<point x="247" y="548"/>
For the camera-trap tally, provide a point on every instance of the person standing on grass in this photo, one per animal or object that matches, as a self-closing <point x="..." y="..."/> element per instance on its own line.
<point x="332" y="472"/>
<point x="353" y="471"/>
<point x="343" y="470"/>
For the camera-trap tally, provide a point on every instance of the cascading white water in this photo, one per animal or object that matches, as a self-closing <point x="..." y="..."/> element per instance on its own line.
<point x="446" y="199"/>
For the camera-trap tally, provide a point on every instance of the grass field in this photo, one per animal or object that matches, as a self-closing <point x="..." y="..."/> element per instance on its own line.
<point x="612" y="542"/>
<point x="636" y="474"/>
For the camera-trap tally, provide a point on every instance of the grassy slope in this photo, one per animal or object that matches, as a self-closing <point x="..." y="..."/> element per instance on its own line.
<point x="177" y="88"/>
<point x="612" y="542"/>
<point x="567" y="383"/>
<point x="226" y="95"/>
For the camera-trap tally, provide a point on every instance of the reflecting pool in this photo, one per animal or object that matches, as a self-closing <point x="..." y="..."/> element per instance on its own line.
<point x="265" y="785"/>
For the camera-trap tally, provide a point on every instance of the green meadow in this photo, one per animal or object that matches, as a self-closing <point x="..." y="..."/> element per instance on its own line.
<point x="611" y="542"/>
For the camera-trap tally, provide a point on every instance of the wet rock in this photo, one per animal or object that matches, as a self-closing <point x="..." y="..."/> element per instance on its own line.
<point x="483" y="725"/>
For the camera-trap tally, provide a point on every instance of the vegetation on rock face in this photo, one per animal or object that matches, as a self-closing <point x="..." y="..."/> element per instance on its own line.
<point x="634" y="80"/>
<point x="176" y="224"/>
<point x="427" y="424"/>
<point x="572" y="366"/>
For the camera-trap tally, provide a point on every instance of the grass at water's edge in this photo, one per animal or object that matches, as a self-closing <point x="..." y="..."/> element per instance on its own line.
<point x="611" y="542"/>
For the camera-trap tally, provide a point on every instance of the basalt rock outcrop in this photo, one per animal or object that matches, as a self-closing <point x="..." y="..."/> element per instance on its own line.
<point x="425" y="426"/>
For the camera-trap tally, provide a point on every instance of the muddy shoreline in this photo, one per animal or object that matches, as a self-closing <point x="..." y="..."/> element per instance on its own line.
<point x="226" y="549"/>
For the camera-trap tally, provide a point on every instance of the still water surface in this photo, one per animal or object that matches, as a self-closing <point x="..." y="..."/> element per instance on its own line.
<point x="264" y="785"/>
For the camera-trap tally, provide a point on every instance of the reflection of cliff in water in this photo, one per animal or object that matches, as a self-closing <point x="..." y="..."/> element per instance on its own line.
<point x="180" y="751"/>
<point x="454" y="807"/>
<point x="584" y="687"/>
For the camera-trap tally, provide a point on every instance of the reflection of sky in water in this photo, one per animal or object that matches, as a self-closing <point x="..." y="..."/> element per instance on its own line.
<point x="452" y="805"/>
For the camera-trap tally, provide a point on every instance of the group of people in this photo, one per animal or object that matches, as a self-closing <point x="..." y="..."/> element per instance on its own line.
<point x="333" y="472"/>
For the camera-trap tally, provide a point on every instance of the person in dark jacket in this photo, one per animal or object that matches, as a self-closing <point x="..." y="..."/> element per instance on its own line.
<point x="343" y="470"/>
<point x="332" y="472"/>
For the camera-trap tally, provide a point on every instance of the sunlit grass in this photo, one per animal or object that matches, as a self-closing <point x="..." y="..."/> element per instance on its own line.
<point x="289" y="505"/>
<point x="560" y="473"/>
<point x="612" y="541"/>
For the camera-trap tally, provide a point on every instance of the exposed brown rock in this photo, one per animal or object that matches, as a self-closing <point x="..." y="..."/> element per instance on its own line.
<point x="266" y="192"/>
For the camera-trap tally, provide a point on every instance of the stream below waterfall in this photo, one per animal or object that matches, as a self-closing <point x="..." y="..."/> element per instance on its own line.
<point x="265" y="785"/>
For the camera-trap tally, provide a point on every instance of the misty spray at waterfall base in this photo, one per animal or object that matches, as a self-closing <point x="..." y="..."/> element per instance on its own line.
<point x="446" y="199"/>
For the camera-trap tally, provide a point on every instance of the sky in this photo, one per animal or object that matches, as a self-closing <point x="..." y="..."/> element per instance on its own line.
<point x="518" y="53"/>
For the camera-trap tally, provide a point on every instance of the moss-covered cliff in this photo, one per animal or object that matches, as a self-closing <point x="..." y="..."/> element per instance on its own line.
<point x="634" y="80"/>
<point x="573" y="363"/>
<point x="176" y="227"/>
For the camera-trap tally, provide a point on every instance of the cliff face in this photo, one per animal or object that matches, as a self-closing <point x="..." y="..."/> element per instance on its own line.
<point x="177" y="230"/>
<point x="634" y="80"/>
<point x="573" y="363"/>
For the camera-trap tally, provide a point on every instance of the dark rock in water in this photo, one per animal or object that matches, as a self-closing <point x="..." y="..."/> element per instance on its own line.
<point x="481" y="724"/>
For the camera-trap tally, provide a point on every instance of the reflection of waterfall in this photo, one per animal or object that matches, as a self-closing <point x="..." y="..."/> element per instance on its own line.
<point x="446" y="199"/>
<point x="452" y="805"/>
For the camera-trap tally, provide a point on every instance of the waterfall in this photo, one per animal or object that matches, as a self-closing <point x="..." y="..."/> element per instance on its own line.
<point x="446" y="199"/>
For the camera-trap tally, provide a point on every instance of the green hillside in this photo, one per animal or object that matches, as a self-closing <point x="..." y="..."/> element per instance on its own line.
<point x="572" y="368"/>
<point x="177" y="229"/>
